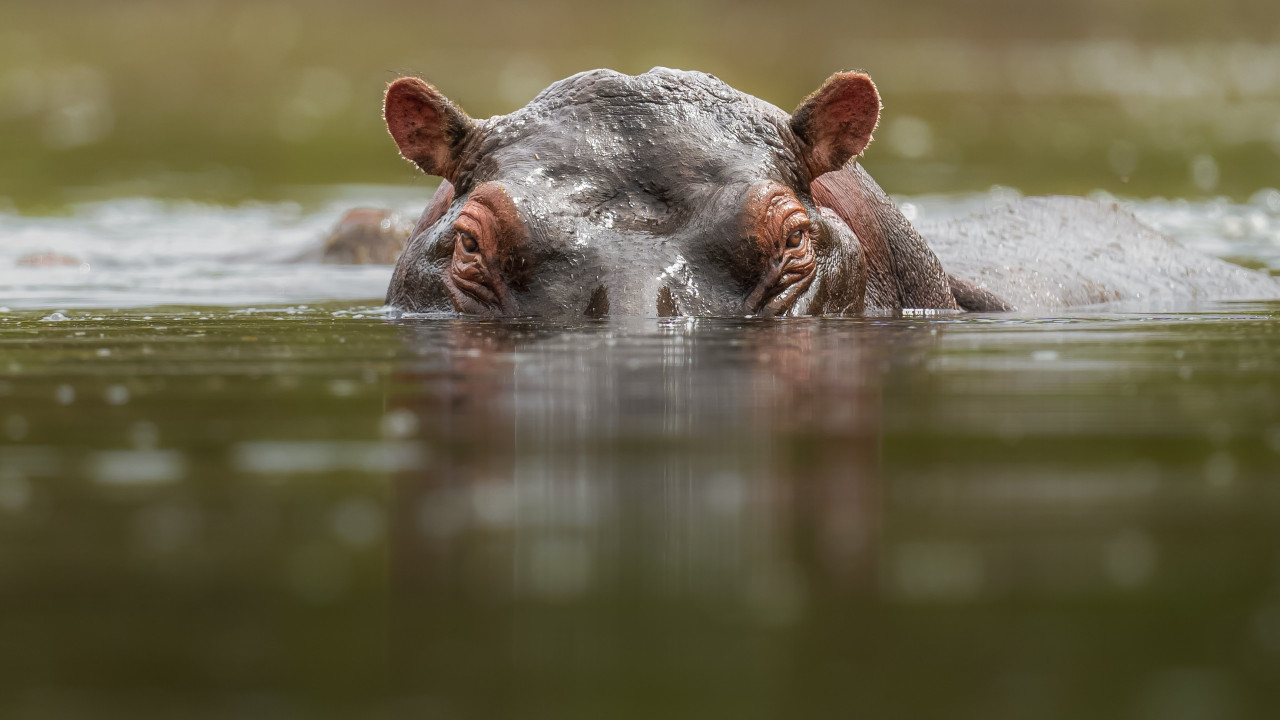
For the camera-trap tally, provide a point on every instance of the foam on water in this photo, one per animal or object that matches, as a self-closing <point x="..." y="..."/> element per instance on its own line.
<point x="144" y="252"/>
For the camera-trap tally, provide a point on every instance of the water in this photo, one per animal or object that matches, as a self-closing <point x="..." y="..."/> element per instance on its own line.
<point x="294" y="506"/>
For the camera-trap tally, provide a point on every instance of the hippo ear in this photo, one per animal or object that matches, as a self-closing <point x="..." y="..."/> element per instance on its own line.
<point x="835" y="122"/>
<point x="430" y="130"/>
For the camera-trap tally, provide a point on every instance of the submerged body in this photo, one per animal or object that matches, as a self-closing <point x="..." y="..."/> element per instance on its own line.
<point x="363" y="236"/>
<point x="1045" y="254"/>
<point x="671" y="193"/>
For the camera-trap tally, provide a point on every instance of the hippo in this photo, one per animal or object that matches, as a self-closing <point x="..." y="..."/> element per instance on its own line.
<point x="363" y="236"/>
<point x="671" y="193"/>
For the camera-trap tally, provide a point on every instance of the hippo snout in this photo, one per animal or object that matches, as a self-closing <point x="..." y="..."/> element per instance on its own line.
<point x="662" y="303"/>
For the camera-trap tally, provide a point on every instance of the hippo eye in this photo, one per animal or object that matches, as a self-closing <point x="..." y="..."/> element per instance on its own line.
<point x="796" y="237"/>
<point x="784" y="258"/>
<point x="796" y="228"/>
<point x="468" y="241"/>
<point x="790" y="269"/>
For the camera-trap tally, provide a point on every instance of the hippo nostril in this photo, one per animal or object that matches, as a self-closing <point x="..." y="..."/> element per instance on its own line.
<point x="599" y="305"/>
<point x="667" y="303"/>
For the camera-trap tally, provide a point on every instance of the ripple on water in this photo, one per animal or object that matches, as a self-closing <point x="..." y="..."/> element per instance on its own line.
<point x="136" y="467"/>
<point x="311" y="457"/>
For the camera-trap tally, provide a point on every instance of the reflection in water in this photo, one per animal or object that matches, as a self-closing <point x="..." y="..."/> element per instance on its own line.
<point x="306" y="512"/>
<point x="692" y="452"/>
<point x="625" y="484"/>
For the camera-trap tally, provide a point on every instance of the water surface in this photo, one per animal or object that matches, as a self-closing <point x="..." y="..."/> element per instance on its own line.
<point x="306" y="512"/>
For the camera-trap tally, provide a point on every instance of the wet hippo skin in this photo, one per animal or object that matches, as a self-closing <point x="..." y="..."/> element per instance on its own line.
<point x="670" y="193"/>
<point x="1056" y="252"/>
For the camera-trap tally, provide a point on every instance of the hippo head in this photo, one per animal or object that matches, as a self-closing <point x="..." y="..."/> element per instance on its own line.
<point x="667" y="193"/>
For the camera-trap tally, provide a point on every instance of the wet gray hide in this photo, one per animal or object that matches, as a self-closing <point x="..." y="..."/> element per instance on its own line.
<point x="1047" y="253"/>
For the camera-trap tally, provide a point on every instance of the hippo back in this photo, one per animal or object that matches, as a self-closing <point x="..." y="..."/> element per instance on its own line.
<point x="1044" y="254"/>
<point x="902" y="272"/>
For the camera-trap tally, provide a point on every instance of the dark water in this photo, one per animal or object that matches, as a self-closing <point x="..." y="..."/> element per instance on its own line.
<point x="327" y="512"/>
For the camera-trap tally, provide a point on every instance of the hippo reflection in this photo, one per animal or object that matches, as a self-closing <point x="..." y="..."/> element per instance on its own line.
<point x="725" y="439"/>
<point x="671" y="193"/>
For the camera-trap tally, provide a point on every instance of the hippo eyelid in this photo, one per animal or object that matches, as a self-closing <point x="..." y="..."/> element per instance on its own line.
<point x="786" y="210"/>
<point x="467" y="230"/>
<point x="795" y="226"/>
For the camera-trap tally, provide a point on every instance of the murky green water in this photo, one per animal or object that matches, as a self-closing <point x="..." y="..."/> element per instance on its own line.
<point x="279" y="501"/>
<point x="328" y="512"/>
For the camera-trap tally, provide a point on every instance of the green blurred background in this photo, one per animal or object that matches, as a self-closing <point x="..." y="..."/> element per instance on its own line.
<point x="224" y="100"/>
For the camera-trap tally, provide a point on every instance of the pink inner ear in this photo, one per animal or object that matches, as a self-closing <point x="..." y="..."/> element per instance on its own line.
<point x="856" y="117"/>
<point x="838" y="119"/>
<point x="416" y="119"/>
